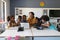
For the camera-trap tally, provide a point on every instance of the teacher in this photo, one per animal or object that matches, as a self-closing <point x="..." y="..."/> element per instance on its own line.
<point x="31" y="19"/>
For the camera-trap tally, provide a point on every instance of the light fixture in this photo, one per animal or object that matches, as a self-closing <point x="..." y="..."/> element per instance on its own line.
<point x="42" y="3"/>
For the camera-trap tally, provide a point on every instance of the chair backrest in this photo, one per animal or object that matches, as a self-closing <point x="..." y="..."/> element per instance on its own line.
<point x="9" y="38"/>
<point x="2" y="27"/>
<point x="17" y="37"/>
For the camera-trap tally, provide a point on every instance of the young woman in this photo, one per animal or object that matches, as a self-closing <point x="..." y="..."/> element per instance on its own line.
<point x="31" y="19"/>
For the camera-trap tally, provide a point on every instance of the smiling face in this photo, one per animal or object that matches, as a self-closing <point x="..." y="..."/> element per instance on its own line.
<point x="31" y="15"/>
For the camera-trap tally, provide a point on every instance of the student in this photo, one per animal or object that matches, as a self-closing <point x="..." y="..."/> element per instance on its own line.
<point x="12" y="22"/>
<point x="46" y="24"/>
<point x="45" y="21"/>
<point x="31" y="20"/>
<point x="37" y="24"/>
<point x="24" y="18"/>
<point x="19" y="20"/>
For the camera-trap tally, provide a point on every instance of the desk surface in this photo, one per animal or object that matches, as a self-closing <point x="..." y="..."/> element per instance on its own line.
<point x="45" y="32"/>
<point x="13" y="33"/>
<point x="29" y="32"/>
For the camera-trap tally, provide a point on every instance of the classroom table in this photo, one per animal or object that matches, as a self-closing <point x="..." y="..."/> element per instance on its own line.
<point x="45" y="33"/>
<point x="13" y="32"/>
<point x="33" y="32"/>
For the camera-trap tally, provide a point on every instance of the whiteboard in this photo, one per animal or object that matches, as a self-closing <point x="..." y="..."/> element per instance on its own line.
<point x="37" y="11"/>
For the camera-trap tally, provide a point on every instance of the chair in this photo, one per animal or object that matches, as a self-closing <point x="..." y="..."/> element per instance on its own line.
<point x="9" y="38"/>
<point x="17" y="37"/>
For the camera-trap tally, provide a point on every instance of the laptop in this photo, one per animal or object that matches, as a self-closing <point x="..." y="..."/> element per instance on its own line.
<point x="25" y="25"/>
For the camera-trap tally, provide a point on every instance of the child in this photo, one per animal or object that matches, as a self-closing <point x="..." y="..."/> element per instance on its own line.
<point x="45" y="21"/>
<point x="37" y="24"/>
<point x="24" y="18"/>
<point x="12" y="22"/>
<point x="19" y="20"/>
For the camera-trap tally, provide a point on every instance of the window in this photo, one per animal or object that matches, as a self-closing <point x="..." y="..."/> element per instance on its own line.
<point x="3" y="10"/>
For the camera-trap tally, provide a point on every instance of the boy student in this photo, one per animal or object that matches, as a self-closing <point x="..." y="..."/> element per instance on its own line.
<point x="24" y="19"/>
<point x="19" y="20"/>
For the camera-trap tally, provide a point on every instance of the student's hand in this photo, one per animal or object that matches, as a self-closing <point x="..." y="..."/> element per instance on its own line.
<point x="47" y="25"/>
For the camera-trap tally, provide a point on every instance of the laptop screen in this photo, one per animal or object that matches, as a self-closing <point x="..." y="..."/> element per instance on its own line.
<point x="25" y="25"/>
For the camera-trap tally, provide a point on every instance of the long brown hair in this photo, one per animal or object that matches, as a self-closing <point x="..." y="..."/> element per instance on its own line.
<point x="32" y="13"/>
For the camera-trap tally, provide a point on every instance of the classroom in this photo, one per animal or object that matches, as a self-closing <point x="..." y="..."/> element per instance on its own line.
<point x="29" y="20"/>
